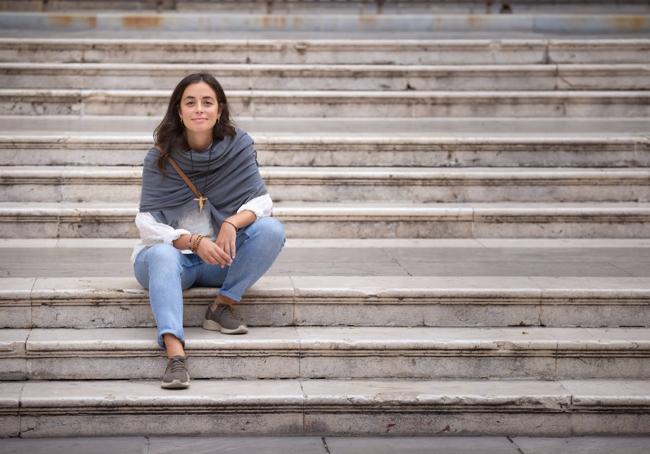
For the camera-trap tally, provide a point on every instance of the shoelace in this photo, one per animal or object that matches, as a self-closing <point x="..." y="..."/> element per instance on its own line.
<point x="177" y="365"/>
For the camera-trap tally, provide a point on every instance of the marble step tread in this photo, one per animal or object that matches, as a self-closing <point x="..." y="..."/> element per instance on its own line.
<point x="331" y="77"/>
<point x="331" y="340"/>
<point x="306" y="49"/>
<point x="460" y="407"/>
<point x="348" y="300"/>
<point x="332" y="352"/>
<point x="339" y="103"/>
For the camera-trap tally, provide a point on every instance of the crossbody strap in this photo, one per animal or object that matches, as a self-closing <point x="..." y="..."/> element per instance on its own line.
<point x="199" y="197"/>
<point x="187" y="181"/>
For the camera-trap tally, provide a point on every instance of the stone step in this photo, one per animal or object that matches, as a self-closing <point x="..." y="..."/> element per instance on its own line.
<point x="144" y="76"/>
<point x="130" y="127"/>
<point x="326" y="407"/>
<point x="339" y="353"/>
<point x="358" y="150"/>
<point x="339" y="103"/>
<point x="360" y="220"/>
<point x="169" y="23"/>
<point x="273" y="7"/>
<point x="115" y="184"/>
<point x="456" y="300"/>
<point x="326" y="51"/>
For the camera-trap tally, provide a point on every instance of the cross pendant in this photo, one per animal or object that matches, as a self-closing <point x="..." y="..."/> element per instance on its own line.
<point x="201" y="201"/>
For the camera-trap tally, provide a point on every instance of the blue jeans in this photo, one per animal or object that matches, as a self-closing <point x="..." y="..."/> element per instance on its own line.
<point x="166" y="272"/>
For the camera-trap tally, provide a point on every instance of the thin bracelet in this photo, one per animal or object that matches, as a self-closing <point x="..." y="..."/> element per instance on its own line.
<point x="189" y="243"/>
<point x="228" y="222"/>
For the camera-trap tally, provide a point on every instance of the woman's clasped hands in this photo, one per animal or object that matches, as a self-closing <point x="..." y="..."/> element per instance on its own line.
<point x="222" y="250"/>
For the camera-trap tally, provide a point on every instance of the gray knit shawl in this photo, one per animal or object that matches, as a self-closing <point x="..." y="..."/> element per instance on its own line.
<point x="228" y="176"/>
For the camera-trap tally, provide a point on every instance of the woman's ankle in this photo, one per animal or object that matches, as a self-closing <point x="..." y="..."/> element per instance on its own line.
<point x="221" y="299"/>
<point x="173" y="345"/>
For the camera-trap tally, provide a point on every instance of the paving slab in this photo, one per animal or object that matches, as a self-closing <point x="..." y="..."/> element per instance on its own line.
<point x="420" y="445"/>
<point x="323" y="445"/>
<point x="97" y="445"/>
<point x="262" y="445"/>
<point x="583" y="445"/>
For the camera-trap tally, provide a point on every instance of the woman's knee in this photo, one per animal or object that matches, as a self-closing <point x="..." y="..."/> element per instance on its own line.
<point x="272" y="230"/>
<point x="163" y="254"/>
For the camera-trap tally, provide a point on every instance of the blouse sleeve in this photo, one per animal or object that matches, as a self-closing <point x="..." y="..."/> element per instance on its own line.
<point x="152" y="231"/>
<point x="262" y="206"/>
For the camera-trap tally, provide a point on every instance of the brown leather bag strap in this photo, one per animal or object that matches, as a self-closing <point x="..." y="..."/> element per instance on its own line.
<point x="187" y="181"/>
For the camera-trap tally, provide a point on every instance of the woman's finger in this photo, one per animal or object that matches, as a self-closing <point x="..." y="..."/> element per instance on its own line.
<point x="224" y="259"/>
<point x="232" y="248"/>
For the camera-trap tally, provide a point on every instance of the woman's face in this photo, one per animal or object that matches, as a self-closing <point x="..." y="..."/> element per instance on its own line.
<point x="199" y="109"/>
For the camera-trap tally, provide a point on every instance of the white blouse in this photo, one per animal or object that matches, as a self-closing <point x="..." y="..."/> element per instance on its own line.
<point x="152" y="231"/>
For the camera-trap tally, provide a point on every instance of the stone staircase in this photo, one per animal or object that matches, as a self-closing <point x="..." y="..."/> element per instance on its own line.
<point x="404" y="157"/>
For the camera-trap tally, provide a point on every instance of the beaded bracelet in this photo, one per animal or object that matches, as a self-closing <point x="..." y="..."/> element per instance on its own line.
<point x="195" y="244"/>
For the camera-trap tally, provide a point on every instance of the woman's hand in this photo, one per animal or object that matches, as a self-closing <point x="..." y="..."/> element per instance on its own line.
<point x="213" y="254"/>
<point x="227" y="238"/>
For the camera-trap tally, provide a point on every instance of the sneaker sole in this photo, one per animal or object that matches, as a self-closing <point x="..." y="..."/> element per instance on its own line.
<point x="214" y="326"/>
<point x="176" y="384"/>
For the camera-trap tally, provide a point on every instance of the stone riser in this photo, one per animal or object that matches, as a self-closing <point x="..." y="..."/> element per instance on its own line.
<point x="338" y="301"/>
<point x="372" y="190"/>
<point x="354" y="422"/>
<point x="327" y="407"/>
<point x="488" y="312"/>
<point x="340" y="104"/>
<point x="384" y="352"/>
<point x="283" y="365"/>
<point x="455" y="152"/>
<point x="97" y="226"/>
<point x="355" y="222"/>
<point x="382" y="78"/>
<point x="321" y="52"/>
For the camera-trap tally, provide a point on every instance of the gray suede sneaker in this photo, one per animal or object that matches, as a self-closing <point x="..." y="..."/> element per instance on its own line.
<point x="176" y="375"/>
<point x="224" y="320"/>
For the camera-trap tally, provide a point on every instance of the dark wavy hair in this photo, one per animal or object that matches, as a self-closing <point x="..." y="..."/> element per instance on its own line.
<point x="170" y="135"/>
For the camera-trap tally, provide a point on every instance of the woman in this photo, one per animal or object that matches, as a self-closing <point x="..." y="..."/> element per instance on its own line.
<point x="204" y="217"/>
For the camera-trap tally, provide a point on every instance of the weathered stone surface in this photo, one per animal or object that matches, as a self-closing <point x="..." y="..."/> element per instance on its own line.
<point x="75" y="445"/>
<point x="10" y="393"/>
<point x="419" y="445"/>
<point x="329" y="77"/>
<point x="582" y="445"/>
<point x="345" y="184"/>
<point x="269" y="103"/>
<point x="142" y="407"/>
